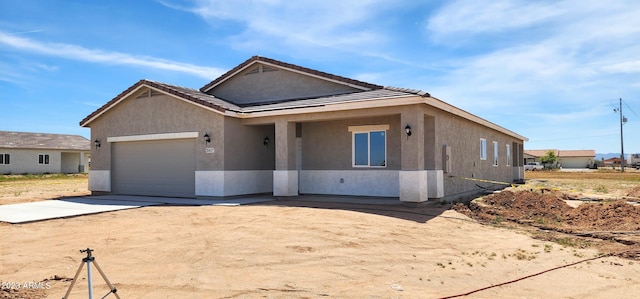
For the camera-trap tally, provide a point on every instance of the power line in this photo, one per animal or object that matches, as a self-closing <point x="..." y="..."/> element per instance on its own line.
<point x="634" y="113"/>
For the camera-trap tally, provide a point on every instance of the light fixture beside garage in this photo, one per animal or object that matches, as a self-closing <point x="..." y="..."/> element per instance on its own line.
<point x="265" y="142"/>
<point x="97" y="143"/>
<point x="207" y="139"/>
<point x="407" y="130"/>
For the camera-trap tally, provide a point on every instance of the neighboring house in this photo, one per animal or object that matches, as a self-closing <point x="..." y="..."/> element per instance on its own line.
<point x="566" y="158"/>
<point x="612" y="162"/>
<point x="36" y="153"/>
<point x="272" y="127"/>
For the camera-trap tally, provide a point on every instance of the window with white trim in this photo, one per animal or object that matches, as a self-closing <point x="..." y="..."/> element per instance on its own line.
<point x="483" y="149"/>
<point x="5" y="159"/>
<point x="495" y="153"/>
<point x="369" y="147"/>
<point x="43" y="159"/>
<point x="508" y="154"/>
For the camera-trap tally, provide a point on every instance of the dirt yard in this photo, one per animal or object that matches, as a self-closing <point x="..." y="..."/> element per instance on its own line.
<point x="301" y="249"/>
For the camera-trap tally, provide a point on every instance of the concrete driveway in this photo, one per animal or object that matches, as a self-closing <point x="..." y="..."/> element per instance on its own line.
<point x="76" y="206"/>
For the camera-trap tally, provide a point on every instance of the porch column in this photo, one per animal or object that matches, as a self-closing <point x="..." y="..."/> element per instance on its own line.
<point x="285" y="177"/>
<point x="413" y="176"/>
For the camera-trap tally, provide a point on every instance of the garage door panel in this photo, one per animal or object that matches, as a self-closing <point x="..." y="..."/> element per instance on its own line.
<point x="157" y="168"/>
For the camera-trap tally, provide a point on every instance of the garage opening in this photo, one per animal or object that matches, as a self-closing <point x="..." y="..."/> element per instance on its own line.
<point x="154" y="167"/>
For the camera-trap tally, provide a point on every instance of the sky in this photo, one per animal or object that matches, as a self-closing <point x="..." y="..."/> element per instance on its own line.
<point x="552" y="71"/>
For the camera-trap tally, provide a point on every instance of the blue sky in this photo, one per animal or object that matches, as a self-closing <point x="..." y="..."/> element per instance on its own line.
<point x="552" y="71"/>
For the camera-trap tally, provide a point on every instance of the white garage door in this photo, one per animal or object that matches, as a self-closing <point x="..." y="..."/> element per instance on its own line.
<point x="156" y="168"/>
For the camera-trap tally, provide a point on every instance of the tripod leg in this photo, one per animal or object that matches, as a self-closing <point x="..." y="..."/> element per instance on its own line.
<point x="75" y="278"/>
<point x="89" y="278"/>
<point x="111" y="287"/>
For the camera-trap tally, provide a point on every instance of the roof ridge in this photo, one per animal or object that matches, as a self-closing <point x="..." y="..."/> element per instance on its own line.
<point x="169" y="88"/>
<point x="255" y="58"/>
<point x="419" y="92"/>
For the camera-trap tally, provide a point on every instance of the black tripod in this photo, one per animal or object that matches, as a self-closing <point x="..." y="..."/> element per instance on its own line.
<point x="88" y="260"/>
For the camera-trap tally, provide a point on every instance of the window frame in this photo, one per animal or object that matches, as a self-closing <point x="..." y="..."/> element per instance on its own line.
<point x="368" y="130"/>
<point x="43" y="159"/>
<point x="483" y="149"/>
<point x="5" y="159"/>
<point x="508" y="154"/>
<point x="496" y="155"/>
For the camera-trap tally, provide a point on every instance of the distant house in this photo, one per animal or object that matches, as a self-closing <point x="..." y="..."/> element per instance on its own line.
<point x="272" y="127"/>
<point x="566" y="158"/>
<point x="612" y="161"/>
<point x="36" y="153"/>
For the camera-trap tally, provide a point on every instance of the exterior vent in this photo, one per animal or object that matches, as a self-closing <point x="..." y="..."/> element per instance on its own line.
<point x="253" y="71"/>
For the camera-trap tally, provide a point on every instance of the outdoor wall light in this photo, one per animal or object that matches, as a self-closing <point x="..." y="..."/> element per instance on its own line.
<point x="207" y="139"/>
<point x="265" y="142"/>
<point x="407" y="130"/>
<point x="97" y="143"/>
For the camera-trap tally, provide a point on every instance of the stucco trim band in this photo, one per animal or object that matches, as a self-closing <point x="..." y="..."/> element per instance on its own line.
<point x="413" y="186"/>
<point x="222" y="183"/>
<point x="100" y="180"/>
<point x="285" y="183"/>
<point x="382" y="183"/>
<point x="161" y="136"/>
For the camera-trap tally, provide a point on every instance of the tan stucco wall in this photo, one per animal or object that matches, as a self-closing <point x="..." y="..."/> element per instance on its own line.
<point x="245" y="146"/>
<point x="327" y="145"/>
<point x="159" y="114"/>
<point x="463" y="136"/>
<point x="274" y="85"/>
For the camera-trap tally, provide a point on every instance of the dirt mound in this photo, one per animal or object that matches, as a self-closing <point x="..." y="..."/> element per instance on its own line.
<point x="616" y="221"/>
<point x="549" y="209"/>
<point x="609" y="216"/>
<point x="524" y="206"/>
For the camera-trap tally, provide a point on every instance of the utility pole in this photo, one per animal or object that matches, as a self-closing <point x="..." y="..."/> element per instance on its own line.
<point x="623" y="120"/>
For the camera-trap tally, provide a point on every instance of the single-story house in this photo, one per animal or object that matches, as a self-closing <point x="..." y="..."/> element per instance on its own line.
<point x="268" y="126"/>
<point x="36" y="153"/>
<point x="612" y="161"/>
<point x="566" y="158"/>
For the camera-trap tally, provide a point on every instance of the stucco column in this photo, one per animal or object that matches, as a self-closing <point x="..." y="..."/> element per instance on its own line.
<point x="285" y="176"/>
<point x="413" y="176"/>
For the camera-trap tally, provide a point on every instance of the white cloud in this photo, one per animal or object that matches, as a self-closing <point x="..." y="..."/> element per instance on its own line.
<point x="490" y="16"/>
<point x="624" y="67"/>
<point x="75" y="52"/>
<point x="583" y="42"/>
<point x="343" y="25"/>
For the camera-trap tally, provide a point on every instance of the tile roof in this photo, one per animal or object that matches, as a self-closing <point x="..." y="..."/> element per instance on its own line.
<point x="24" y="140"/>
<point x="348" y="81"/>
<point x="577" y="153"/>
<point x="369" y="92"/>
<point x="321" y="101"/>
<point x="221" y="105"/>
<point x="539" y="153"/>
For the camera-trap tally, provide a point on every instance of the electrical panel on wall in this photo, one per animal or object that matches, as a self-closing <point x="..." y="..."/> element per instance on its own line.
<point x="446" y="158"/>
